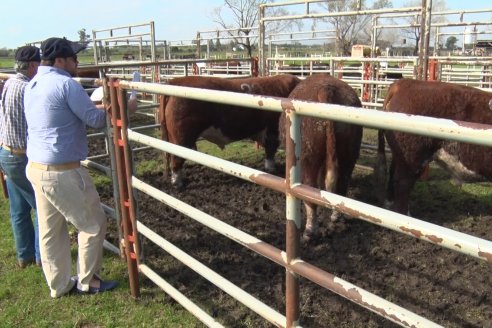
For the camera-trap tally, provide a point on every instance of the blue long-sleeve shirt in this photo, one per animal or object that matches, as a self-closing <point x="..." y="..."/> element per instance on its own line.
<point x="57" y="111"/>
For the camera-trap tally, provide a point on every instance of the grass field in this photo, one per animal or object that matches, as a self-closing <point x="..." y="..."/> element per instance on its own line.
<point x="85" y="58"/>
<point x="25" y="300"/>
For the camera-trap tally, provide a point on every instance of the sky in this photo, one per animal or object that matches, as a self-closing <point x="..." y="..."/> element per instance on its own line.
<point x="25" y="21"/>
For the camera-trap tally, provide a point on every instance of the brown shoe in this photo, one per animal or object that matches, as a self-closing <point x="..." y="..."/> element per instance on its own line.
<point x="23" y="263"/>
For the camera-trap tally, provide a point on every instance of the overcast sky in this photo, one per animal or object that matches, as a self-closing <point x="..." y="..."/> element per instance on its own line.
<point x="25" y="21"/>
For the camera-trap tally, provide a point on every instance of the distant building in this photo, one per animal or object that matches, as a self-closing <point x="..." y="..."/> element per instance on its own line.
<point x="360" y="50"/>
<point x="484" y="47"/>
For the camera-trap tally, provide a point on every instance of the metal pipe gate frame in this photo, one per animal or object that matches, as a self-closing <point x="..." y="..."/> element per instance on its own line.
<point x="294" y="190"/>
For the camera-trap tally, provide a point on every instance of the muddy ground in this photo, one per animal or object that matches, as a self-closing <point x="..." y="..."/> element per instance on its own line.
<point x="446" y="287"/>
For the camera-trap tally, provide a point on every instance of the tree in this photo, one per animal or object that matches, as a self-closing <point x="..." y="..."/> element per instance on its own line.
<point x="451" y="42"/>
<point x="218" y="46"/>
<point x="210" y="44"/>
<point x="413" y="33"/>
<point x="83" y="37"/>
<point x="243" y="16"/>
<point x="351" y="29"/>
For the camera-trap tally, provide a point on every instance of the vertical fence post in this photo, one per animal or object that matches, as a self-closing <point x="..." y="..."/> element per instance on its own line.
<point x="114" y="178"/>
<point x="432" y="70"/>
<point x="124" y="174"/>
<point x="293" y="214"/>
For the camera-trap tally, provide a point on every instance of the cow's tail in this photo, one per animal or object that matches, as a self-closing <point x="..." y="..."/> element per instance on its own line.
<point x="163" y="99"/>
<point x="380" y="171"/>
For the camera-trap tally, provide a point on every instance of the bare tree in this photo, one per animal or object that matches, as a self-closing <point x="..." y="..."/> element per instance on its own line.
<point x="352" y="29"/>
<point x="83" y="36"/>
<point x="413" y="33"/>
<point x="241" y="17"/>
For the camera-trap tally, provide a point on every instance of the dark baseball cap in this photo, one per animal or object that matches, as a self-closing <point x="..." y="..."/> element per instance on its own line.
<point x="27" y="54"/>
<point x="60" y="48"/>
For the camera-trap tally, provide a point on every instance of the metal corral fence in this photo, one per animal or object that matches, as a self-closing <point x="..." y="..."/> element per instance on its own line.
<point x="294" y="190"/>
<point x="371" y="77"/>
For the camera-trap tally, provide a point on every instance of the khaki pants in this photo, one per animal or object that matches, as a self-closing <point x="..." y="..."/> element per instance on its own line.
<point x="71" y="196"/>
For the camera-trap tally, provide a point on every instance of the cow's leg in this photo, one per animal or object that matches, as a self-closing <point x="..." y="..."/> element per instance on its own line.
<point x="390" y="191"/>
<point x="311" y="167"/>
<point x="401" y="184"/>
<point x="177" y="172"/>
<point x="186" y="138"/>
<point x="271" y="143"/>
<point x="270" y="165"/>
<point x="332" y="179"/>
<point x="331" y="169"/>
<point x="311" y="228"/>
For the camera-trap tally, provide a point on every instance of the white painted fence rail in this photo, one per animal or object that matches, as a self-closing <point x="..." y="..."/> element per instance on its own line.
<point x="441" y="128"/>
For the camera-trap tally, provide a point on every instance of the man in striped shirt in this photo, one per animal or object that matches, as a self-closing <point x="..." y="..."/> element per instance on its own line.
<point x="13" y="160"/>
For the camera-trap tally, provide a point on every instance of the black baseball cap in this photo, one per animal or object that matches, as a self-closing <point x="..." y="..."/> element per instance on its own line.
<point x="60" y="48"/>
<point x="27" y="54"/>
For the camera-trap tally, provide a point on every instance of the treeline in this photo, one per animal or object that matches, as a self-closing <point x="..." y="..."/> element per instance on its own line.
<point x="4" y="52"/>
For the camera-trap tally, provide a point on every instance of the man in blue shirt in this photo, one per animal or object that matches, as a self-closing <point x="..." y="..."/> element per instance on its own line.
<point x="57" y="110"/>
<point x="13" y="160"/>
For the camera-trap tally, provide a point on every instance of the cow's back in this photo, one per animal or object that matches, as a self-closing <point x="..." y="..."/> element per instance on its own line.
<point x="323" y="138"/>
<point x="277" y="86"/>
<point x="440" y="100"/>
<point x="234" y="122"/>
<point x="324" y="89"/>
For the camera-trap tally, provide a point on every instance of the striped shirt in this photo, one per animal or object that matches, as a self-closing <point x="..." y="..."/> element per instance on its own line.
<point x="13" y="126"/>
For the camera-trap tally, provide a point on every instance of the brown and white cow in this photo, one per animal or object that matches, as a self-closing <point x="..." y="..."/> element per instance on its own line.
<point x="412" y="153"/>
<point x="184" y="120"/>
<point x="329" y="149"/>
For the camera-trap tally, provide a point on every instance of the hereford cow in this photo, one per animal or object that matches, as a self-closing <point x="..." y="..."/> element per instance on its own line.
<point x="184" y="120"/>
<point x="329" y="149"/>
<point x="412" y="153"/>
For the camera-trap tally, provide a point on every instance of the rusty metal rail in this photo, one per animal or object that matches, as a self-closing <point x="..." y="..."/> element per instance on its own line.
<point x="295" y="191"/>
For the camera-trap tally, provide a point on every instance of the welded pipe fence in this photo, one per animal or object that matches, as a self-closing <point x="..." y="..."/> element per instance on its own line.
<point x="295" y="191"/>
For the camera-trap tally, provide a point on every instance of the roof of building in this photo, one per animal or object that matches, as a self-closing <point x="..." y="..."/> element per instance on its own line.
<point x="484" y="44"/>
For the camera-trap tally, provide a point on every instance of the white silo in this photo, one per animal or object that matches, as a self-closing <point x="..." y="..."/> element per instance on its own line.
<point x="470" y="35"/>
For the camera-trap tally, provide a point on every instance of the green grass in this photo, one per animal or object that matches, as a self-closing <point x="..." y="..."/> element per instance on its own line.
<point x="85" y="58"/>
<point x="25" y="300"/>
<point x="24" y="295"/>
<point x="239" y="152"/>
<point x="6" y="62"/>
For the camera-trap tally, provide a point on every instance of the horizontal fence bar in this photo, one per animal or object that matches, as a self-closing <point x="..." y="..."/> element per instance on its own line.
<point x="457" y="241"/>
<point x="237" y="170"/>
<point x="251" y="302"/>
<point x="340" y="14"/>
<point x="448" y="238"/>
<point x="341" y="287"/>
<point x="126" y="27"/>
<point x="433" y="127"/>
<point x="174" y="293"/>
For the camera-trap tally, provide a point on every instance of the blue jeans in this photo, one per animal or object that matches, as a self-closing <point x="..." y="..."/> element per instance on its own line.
<point x="22" y="201"/>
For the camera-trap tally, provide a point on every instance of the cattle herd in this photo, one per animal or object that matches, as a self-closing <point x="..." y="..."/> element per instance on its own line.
<point x="330" y="149"/>
<point x="444" y="287"/>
